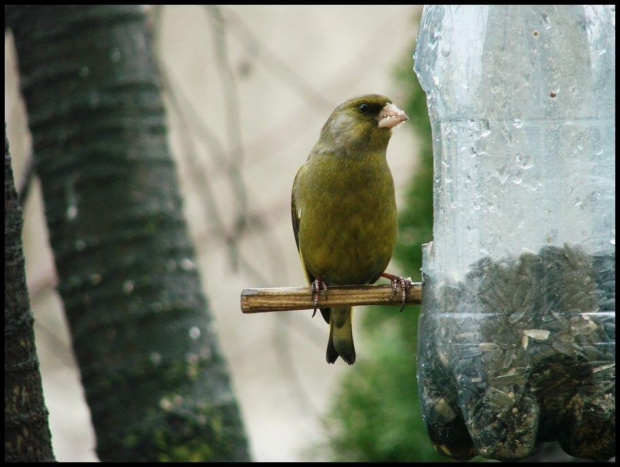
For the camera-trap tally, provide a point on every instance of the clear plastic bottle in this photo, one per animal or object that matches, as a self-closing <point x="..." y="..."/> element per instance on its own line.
<point x="517" y="331"/>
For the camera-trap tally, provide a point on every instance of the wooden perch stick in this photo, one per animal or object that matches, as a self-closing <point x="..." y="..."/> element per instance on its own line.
<point x="300" y="298"/>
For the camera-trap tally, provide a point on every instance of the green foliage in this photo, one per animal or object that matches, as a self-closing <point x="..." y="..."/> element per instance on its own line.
<point x="415" y="221"/>
<point x="376" y="413"/>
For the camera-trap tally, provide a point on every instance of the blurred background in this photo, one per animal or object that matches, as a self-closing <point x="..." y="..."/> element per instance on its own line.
<point x="247" y="90"/>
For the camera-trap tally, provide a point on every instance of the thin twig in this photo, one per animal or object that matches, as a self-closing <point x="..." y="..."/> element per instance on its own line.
<point x="180" y="105"/>
<point x="279" y="67"/>
<point x="233" y="124"/>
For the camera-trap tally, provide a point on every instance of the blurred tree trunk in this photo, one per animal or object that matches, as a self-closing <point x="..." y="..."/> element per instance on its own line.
<point x="26" y="431"/>
<point x="154" y="377"/>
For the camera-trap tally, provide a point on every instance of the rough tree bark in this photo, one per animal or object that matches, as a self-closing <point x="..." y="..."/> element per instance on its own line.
<point x="154" y="377"/>
<point x="26" y="431"/>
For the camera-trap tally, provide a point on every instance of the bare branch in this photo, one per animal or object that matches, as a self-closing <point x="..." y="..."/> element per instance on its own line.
<point x="300" y="298"/>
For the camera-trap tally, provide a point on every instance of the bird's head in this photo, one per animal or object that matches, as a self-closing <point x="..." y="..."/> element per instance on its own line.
<point x="362" y="123"/>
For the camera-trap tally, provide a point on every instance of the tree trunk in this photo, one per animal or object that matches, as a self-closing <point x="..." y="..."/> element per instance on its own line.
<point x="26" y="431"/>
<point x="154" y="377"/>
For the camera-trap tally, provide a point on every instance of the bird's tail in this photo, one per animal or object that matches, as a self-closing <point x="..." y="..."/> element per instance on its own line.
<point x="340" y="335"/>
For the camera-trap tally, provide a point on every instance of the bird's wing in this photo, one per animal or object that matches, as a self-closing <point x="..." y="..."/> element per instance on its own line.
<point x="294" y="213"/>
<point x="296" y="217"/>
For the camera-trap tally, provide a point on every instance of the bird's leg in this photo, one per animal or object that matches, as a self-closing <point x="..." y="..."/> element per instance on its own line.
<point x="397" y="281"/>
<point x="317" y="286"/>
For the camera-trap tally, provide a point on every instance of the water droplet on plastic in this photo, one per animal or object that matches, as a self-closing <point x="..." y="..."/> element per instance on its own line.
<point x="518" y="123"/>
<point x="485" y="129"/>
<point x="445" y="50"/>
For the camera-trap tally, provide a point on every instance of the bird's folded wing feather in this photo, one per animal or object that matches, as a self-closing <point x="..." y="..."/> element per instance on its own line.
<point x="296" y="217"/>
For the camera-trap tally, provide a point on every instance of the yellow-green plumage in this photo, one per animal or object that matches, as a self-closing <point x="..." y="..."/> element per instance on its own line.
<point x="343" y="206"/>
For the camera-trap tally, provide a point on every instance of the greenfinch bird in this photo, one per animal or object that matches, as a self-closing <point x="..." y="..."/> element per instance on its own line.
<point x="344" y="210"/>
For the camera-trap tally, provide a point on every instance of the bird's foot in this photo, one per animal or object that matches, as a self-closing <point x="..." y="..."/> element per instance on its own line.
<point x="317" y="286"/>
<point x="398" y="282"/>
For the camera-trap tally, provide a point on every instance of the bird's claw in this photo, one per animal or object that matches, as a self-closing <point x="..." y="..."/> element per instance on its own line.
<point x="404" y="283"/>
<point x="317" y="286"/>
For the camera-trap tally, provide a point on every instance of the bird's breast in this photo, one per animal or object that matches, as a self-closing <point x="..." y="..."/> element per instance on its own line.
<point x="347" y="227"/>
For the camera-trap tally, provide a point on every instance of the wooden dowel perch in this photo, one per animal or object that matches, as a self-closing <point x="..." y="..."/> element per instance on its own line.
<point x="300" y="298"/>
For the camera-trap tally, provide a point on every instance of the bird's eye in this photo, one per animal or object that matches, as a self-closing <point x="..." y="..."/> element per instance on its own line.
<point x="364" y="108"/>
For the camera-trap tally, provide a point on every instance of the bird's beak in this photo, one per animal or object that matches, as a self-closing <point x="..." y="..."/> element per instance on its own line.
<point x="390" y="116"/>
